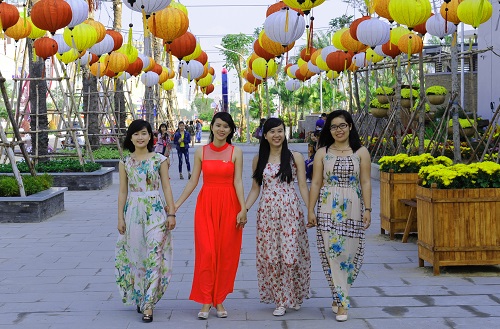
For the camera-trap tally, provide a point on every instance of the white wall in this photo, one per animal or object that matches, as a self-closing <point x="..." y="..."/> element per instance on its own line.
<point x="488" y="91"/>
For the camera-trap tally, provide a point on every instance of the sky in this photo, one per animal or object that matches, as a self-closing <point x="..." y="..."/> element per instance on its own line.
<point x="210" y="20"/>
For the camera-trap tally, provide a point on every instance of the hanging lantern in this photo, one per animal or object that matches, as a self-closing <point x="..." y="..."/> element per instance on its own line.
<point x="85" y="58"/>
<point x="292" y="84"/>
<point x="474" y="12"/>
<point x="51" y="15"/>
<point x="264" y="68"/>
<point x="360" y="59"/>
<point x="327" y="50"/>
<point x="397" y="33"/>
<point x="284" y="26"/>
<point x="35" y="31"/>
<point x="381" y="7"/>
<point x="99" y="27"/>
<point x="110" y="74"/>
<point x="163" y="75"/>
<point x="315" y="55"/>
<point x="438" y="27"/>
<point x="421" y="28"/>
<point x="373" y="32"/>
<point x="336" y="39"/>
<point x="45" y="47"/>
<point x="197" y="51"/>
<point x="79" y="12"/>
<point x="321" y="64"/>
<point x="168" y="24"/>
<point x="98" y="69"/>
<point x="279" y="6"/>
<point x="117" y="38"/>
<point x="94" y="59"/>
<point x="20" y="30"/>
<point x="372" y="56"/>
<point x="252" y="78"/>
<point x="410" y="13"/>
<point x="204" y="82"/>
<point x="313" y="68"/>
<point x="390" y="49"/>
<point x="291" y="71"/>
<point x="299" y="76"/>
<point x="261" y="52"/>
<point x="332" y="75"/>
<point x="338" y="60"/>
<point x="205" y="72"/>
<point x="135" y="68"/>
<point x="350" y="44"/>
<point x="103" y="47"/>
<point x="150" y="79"/>
<point x="183" y="45"/>
<point x="305" y="71"/>
<point x="410" y="44"/>
<point x="306" y="53"/>
<point x="202" y="58"/>
<point x="157" y="68"/>
<point x="62" y="47"/>
<point x="180" y="6"/>
<point x="151" y="64"/>
<point x="449" y="11"/>
<point x="130" y="51"/>
<point x="148" y="6"/>
<point x="353" y="28"/>
<point x="273" y="47"/>
<point x="168" y="85"/>
<point x="304" y="5"/>
<point x="123" y="76"/>
<point x="117" y="62"/>
<point x="208" y="90"/>
<point x="191" y="70"/>
<point x="81" y="37"/>
<point x="249" y="88"/>
<point x="69" y="56"/>
<point x="9" y="15"/>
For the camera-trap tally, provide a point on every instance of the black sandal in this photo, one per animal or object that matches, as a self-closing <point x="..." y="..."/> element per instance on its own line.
<point x="147" y="317"/>
<point x="138" y="309"/>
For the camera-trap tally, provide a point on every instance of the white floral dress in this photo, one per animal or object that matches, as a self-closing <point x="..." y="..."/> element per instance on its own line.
<point x="283" y="257"/>
<point x="340" y="234"/>
<point x="143" y="259"/>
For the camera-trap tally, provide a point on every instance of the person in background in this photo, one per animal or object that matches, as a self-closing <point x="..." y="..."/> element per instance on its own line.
<point x="143" y="257"/>
<point x="342" y="184"/>
<point x="198" y="128"/>
<point x="162" y="145"/>
<point x="182" y="139"/>
<point x="258" y="131"/>
<point x="220" y="216"/>
<point x="192" y="130"/>
<point x="320" y="122"/>
<point x="283" y="258"/>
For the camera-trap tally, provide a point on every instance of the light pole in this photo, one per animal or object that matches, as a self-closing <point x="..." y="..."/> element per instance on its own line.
<point x="247" y="113"/>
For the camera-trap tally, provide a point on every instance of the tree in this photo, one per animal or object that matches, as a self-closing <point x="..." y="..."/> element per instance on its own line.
<point x="204" y="107"/>
<point x="338" y="23"/>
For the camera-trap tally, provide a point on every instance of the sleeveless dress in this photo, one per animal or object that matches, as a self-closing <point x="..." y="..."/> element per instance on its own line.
<point x="283" y="258"/>
<point x="143" y="257"/>
<point x="340" y="234"/>
<point x="217" y="239"/>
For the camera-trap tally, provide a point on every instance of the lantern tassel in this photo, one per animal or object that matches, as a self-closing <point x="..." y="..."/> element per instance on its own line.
<point x="286" y="19"/>
<point x="409" y="54"/>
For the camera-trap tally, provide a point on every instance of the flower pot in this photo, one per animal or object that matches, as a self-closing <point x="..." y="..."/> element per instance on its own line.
<point x="436" y="99"/>
<point x="469" y="131"/>
<point x="379" y="113"/>
<point x="383" y="99"/>
<point x="406" y="103"/>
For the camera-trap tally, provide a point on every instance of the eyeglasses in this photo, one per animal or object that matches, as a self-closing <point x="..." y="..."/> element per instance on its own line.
<point x="342" y="126"/>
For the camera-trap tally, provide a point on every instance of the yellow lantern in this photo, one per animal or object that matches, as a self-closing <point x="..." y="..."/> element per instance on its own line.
<point x="130" y="51"/>
<point x="304" y="5"/>
<point x="20" y="30"/>
<point x="337" y="37"/>
<point x="168" y="85"/>
<point x="197" y="52"/>
<point x="320" y="62"/>
<point x="449" y="11"/>
<point x="179" y="6"/>
<point x="474" y="12"/>
<point x="206" y="81"/>
<point x="397" y="33"/>
<point x="99" y="28"/>
<point x="35" y="31"/>
<point x="301" y="62"/>
<point x="263" y="68"/>
<point x="97" y="69"/>
<point x="410" y="13"/>
<point x="372" y="56"/>
<point x="332" y="75"/>
<point x="69" y="56"/>
<point x="117" y="62"/>
<point x="81" y="37"/>
<point x="168" y="23"/>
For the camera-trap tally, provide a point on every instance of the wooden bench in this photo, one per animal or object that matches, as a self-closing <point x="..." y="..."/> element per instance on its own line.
<point x="412" y="216"/>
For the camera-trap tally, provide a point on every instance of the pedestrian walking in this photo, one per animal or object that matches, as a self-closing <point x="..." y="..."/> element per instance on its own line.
<point x="283" y="258"/>
<point x="143" y="260"/>
<point x="341" y="180"/>
<point x="162" y="145"/>
<point x="182" y="139"/>
<point x="220" y="216"/>
<point x="198" y="131"/>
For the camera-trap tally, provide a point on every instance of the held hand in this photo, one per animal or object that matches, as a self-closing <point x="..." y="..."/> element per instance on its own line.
<point x="311" y="220"/>
<point x="171" y="223"/>
<point x="121" y="226"/>
<point x="241" y="219"/>
<point x="367" y="219"/>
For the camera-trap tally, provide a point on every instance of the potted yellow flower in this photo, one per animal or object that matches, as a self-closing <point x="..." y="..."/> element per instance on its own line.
<point x="407" y="95"/>
<point x="458" y="211"/>
<point x="383" y="94"/>
<point x="379" y="110"/>
<point x="436" y="95"/>
<point x="465" y="124"/>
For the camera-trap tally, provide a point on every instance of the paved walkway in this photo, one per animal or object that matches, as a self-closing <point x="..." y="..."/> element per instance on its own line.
<point x="59" y="274"/>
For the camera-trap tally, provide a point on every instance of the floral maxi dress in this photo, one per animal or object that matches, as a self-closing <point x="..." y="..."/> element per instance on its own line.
<point x="143" y="259"/>
<point x="283" y="257"/>
<point x="340" y="234"/>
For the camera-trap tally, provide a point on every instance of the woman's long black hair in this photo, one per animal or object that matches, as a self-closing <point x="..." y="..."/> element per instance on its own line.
<point x="226" y="117"/>
<point x="134" y="127"/>
<point x="326" y="138"/>
<point x="285" y="172"/>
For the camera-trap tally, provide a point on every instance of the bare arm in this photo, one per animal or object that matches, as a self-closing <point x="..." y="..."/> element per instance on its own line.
<point x="241" y="218"/>
<point x="167" y="192"/>
<point x="122" y="198"/>
<point x="255" y="190"/>
<point x="316" y="184"/>
<point x="366" y="184"/>
<point x="193" y="182"/>
<point x="301" y="176"/>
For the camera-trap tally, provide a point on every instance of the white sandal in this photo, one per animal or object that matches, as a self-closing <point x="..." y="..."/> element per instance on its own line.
<point x="279" y="311"/>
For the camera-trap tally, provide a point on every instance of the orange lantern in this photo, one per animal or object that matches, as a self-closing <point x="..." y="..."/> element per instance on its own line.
<point x="350" y="43"/>
<point x="280" y="5"/>
<point x="163" y="76"/>
<point x="51" y="15"/>
<point x="98" y="26"/>
<point x="110" y="74"/>
<point x="338" y="60"/>
<point x="168" y="24"/>
<point x="208" y="89"/>
<point x="135" y="68"/>
<point x="381" y="7"/>
<point x="45" y="47"/>
<point x="183" y="45"/>
<point x="117" y="62"/>
<point x="390" y="49"/>
<point x="211" y="71"/>
<point x="9" y="15"/>
<point x="98" y="69"/>
<point x="306" y="53"/>
<point x="353" y="29"/>
<point x="203" y="58"/>
<point x="157" y="69"/>
<point x="273" y="47"/>
<point x="261" y="52"/>
<point x="20" y="30"/>
<point x="249" y="87"/>
<point x="449" y="11"/>
<point x="94" y="59"/>
<point x="410" y="44"/>
<point x="117" y="38"/>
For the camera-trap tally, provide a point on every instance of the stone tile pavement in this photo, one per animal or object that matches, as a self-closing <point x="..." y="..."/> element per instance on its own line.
<point x="59" y="274"/>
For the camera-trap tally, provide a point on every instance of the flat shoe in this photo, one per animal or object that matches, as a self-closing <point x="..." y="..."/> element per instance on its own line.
<point x="341" y="317"/>
<point x="297" y="307"/>
<point x="335" y="309"/>
<point x="138" y="309"/>
<point x="279" y="311"/>
<point x="203" y="315"/>
<point x="147" y="317"/>
<point x="222" y="314"/>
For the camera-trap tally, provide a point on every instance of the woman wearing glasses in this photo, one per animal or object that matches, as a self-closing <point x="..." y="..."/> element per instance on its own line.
<point x="341" y="181"/>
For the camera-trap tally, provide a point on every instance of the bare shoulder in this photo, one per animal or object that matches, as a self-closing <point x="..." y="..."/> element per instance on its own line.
<point x="237" y="150"/>
<point x="363" y="153"/>
<point x="297" y="156"/>
<point x="321" y="152"/>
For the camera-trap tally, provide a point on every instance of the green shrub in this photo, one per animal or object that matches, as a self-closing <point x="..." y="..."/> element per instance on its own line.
<point x="54" y="166"/>
<point x="106" y="152"/>
<point x="32" y="185"/>
<point x="436" y="90"/>
<point x="384" y="91"/>
<point x="405" y="93"/>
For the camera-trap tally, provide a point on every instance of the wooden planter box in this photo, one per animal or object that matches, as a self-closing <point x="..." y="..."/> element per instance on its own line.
<point x="394" y="214"/>
<point x="458" y="226"/>
<point x="33" y="208"/>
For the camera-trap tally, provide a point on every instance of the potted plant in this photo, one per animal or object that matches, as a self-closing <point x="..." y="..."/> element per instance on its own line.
<point x="407" y="95"/>
<point x="398" y="180"/>
<point x="436" y="94"/>
<point x="383" y="94"/>
<point x="379" y="110"/>
<point x="466" y="128"/>
<point x="457" y="214"/>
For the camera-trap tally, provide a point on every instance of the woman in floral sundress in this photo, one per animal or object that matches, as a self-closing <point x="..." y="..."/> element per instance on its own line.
<point x="341" y="180"/>
<point x="283" y="259"/>
<point x="143" y="261"/>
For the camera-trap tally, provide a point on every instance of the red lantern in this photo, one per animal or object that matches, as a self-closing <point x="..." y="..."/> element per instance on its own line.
<point x="51" y="15"/>
<point x="117" y="38"/>
<point x="306" y="53"/>
<point x="183" y="46"/>
<point x="203" y="58"/>
<point x="280" y="5"/>
<point x="157" y="69"/>
<point x="211" y="71"/>
<point x="45" y="47"/>
<point x="135" y="68"/>
<point x="420" y="28"/>
<point x="208" y="89"/>
<point x="94" y="59"/>
<point x="338" y="60"/>
<point x="9" y="15"/>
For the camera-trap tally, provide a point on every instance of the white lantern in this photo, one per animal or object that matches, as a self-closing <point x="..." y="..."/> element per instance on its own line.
<point x="62" y="46"/>
<point x="436" y="26"/>
<point x="103" y="47"/>
<point x="292" y="84"/>
<point x="284" y="26"/>
<point x="79" y="11"/>
<point x="150" y="78"/>
<point x="191" y="70"/>
<point x="291" y="71"/>
<point x="359" y="59"/>
<point x="313" y="68"/>
<point x="327" y="50"/>
<point x="373" y="32"/>
<point x="378" y="51"/>
<point x="145" y="60"/>
<point x="150" y="6"/>
<point x="125" y="75"/>
<point x="85" y="59"/>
